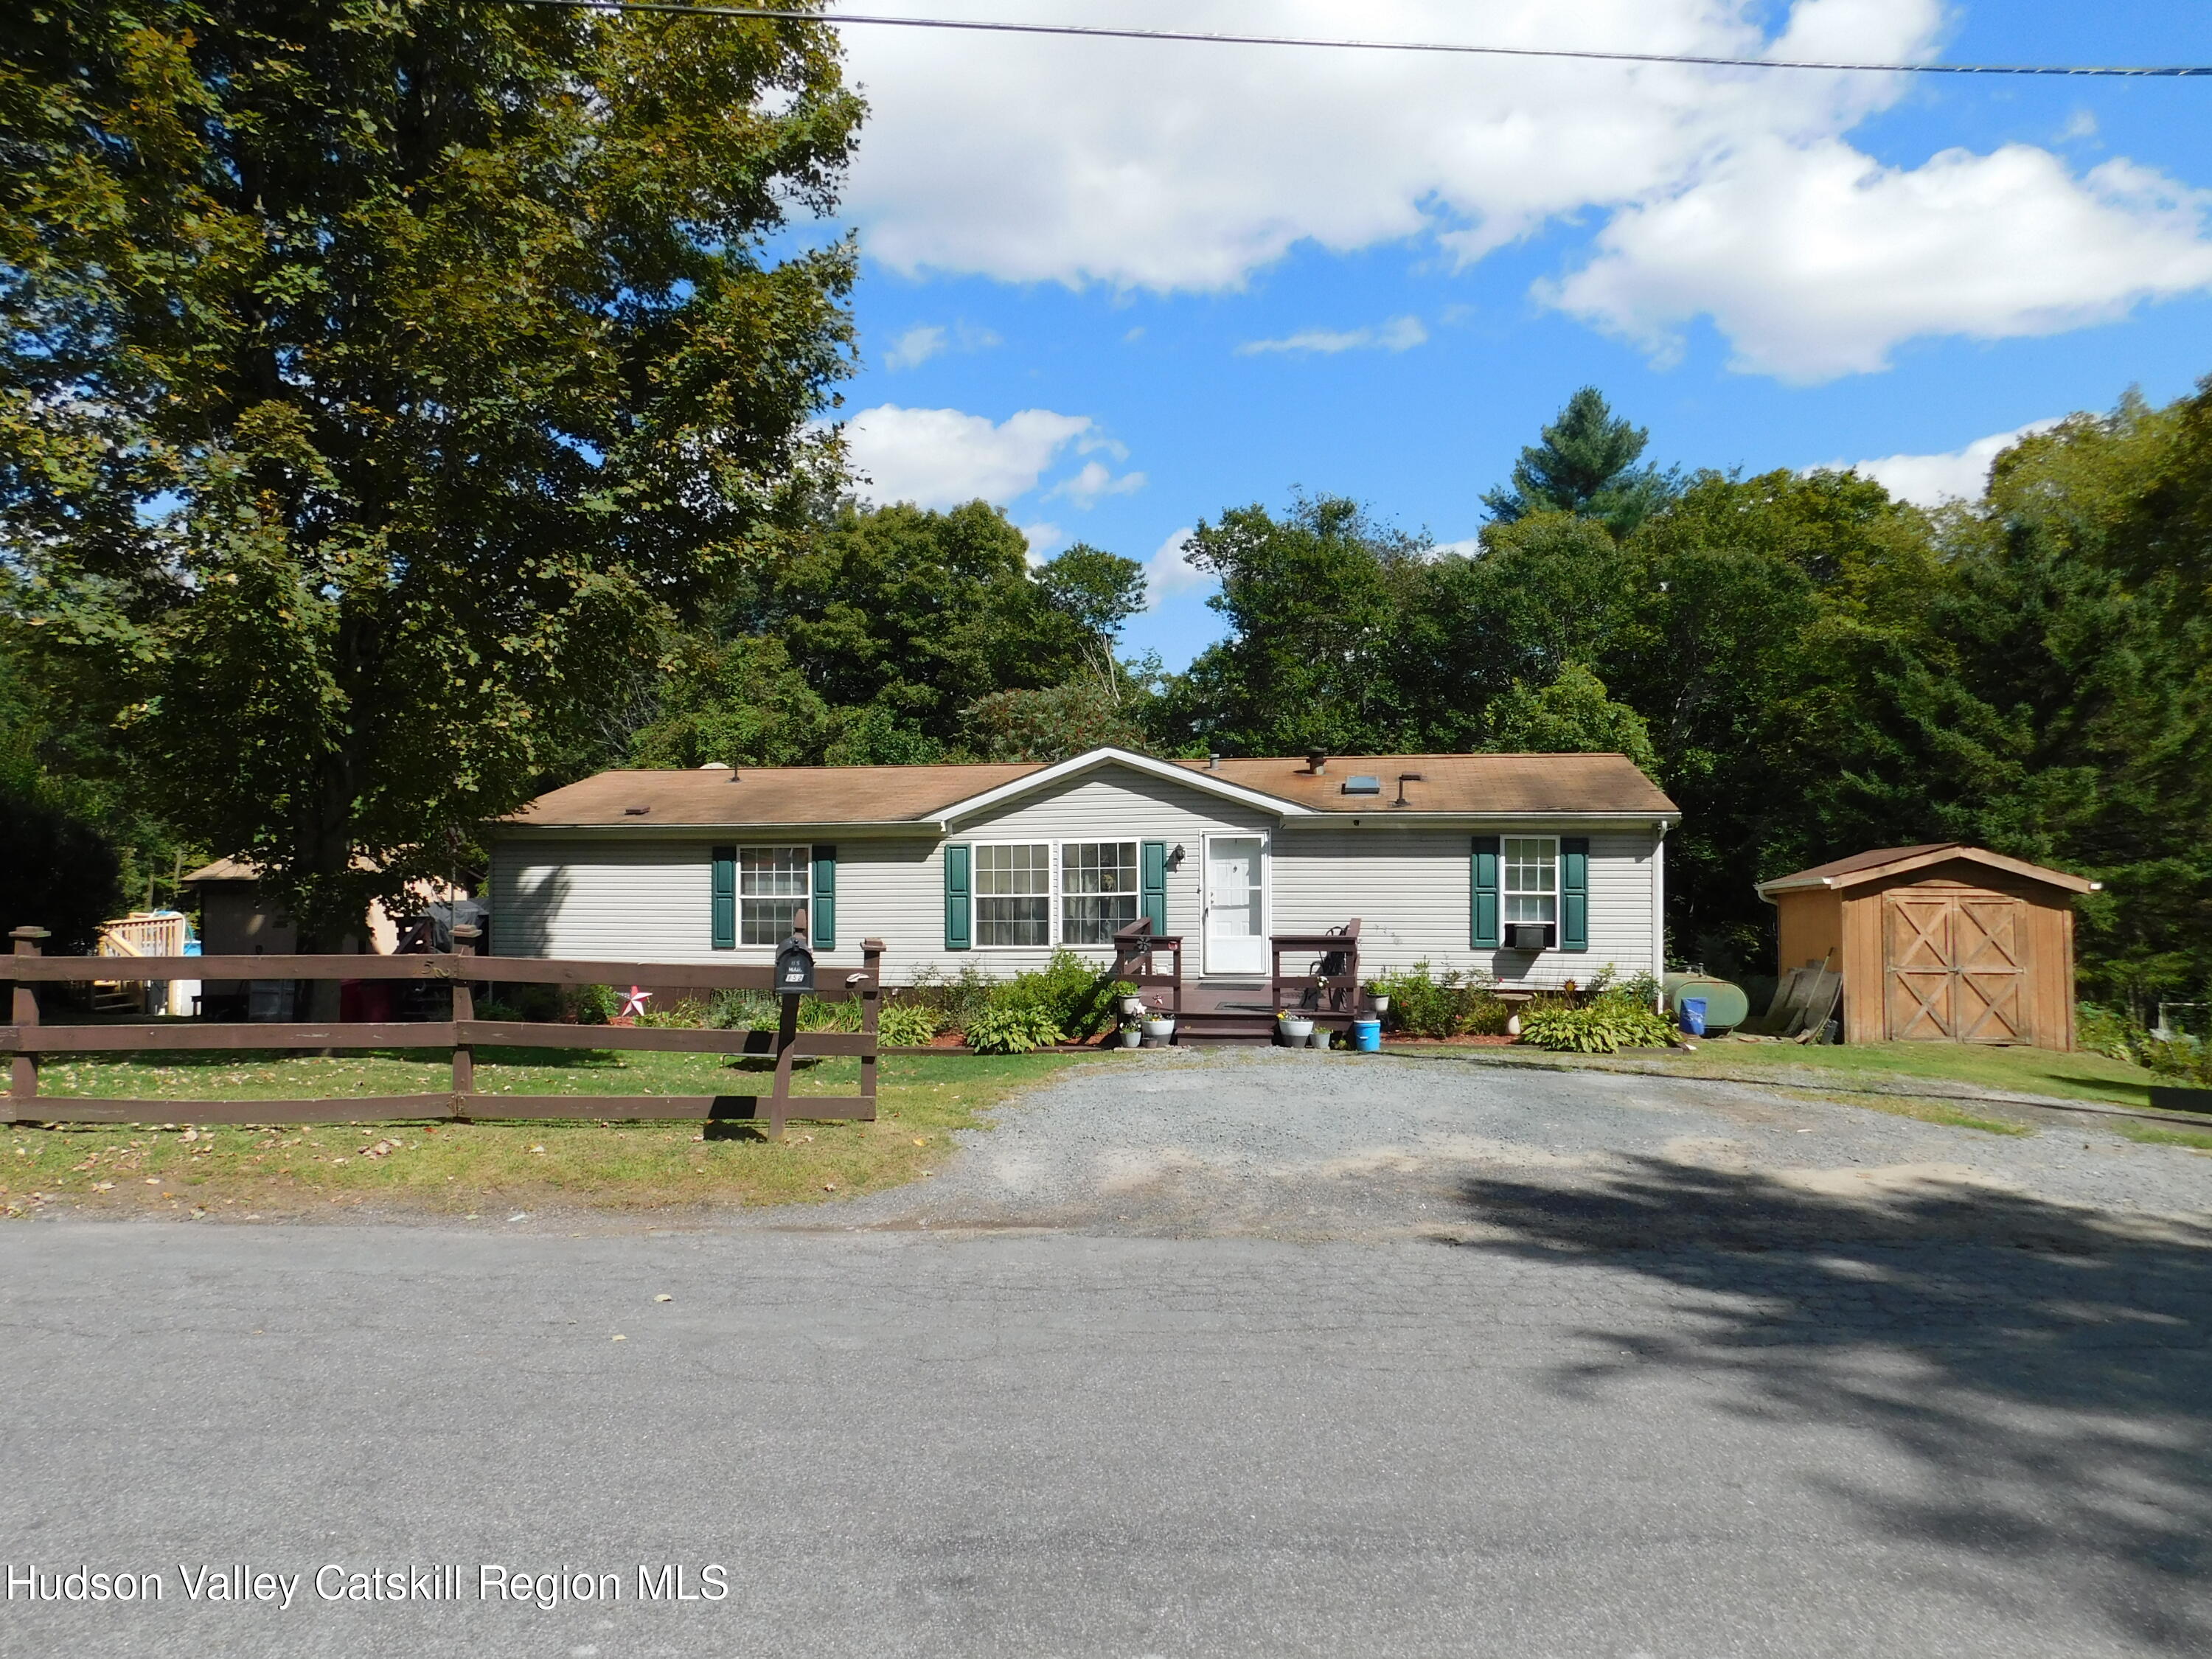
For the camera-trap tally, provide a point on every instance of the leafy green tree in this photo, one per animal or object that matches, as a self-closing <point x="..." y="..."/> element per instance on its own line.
<point x="1572" y="715"/>
<point x="917" y="613"/>
<point x="1099" y="592"/>
<point x="1313" y="601"/>
<point x="380" y="379"/>
<point x="740" y="703"/>
<point x="1051" y="724"/>
<point x="1585" y="463"/>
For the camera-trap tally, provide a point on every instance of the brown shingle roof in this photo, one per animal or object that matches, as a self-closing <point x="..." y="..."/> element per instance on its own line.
<point x="768" y="794"/>
<point x="1503" y="784"/>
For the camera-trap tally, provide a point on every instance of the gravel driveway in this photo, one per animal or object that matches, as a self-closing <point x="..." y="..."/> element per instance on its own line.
<point x="1280" y="1144"/>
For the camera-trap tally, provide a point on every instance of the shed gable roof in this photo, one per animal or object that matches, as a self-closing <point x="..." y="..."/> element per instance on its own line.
<point x="1506" y="786"/>
<point x="1880" y="861"/>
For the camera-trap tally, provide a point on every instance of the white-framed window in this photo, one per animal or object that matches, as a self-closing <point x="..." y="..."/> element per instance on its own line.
<point x="1532" y="878"/>
<point x="1013" y="894"/>
<point x="1097" y="890"/>
<point x="771" y="886"/>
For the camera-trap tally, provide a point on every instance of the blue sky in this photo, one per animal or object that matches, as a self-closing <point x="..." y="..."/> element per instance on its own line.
<point x="1116" y="287"/>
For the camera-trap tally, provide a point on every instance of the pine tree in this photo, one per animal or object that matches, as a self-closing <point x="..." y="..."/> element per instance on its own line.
<point x="1586" y="465"/>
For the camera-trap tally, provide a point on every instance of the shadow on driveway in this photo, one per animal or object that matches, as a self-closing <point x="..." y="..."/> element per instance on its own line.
<point x="2044" y="1369"/>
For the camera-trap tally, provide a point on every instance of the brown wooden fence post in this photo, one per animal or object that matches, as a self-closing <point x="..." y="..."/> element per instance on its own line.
<point x="872" y="997"/>
<point x="465" y="1008"/>
<point x="23" y="1070"/>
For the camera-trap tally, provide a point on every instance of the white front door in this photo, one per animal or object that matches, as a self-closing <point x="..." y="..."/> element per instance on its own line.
<point x="1235" y="904"/>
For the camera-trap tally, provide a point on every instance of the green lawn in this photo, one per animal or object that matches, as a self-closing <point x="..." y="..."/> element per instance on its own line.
<point x="464" y="1169"/>
<point x="1879" y="1065"/>
<point x="2012" y="1070"/>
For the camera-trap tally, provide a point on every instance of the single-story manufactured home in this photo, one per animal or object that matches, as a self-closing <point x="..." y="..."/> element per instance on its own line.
<point x="1534" y="869"/>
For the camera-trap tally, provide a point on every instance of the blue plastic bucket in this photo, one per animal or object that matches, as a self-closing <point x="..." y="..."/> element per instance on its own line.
<point x="1693" y="1012"/>
<point x="1367" y="1036"/>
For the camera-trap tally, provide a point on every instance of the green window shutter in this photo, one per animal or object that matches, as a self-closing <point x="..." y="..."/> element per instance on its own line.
<point x="1155" y="884"/>
<point x="725" y="906"/>
<point x="1483" y="934"/>
<point x="1574" y="892"/>
<point x="956" y="898"/>
<point x="822" y="916"/>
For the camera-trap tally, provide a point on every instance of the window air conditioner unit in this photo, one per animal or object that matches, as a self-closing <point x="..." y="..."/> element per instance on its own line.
<point x="1527" y="935"/>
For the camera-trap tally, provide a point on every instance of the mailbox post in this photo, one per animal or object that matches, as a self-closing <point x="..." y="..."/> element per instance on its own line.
<point x="794" y="977"/>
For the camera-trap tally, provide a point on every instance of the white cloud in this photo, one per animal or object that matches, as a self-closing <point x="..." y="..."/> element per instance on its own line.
<point x="1716" y="192"/>
<point x="1168" y="572"/>
<point x="920" y="343"/>
<point x="914" y="348"/>
<point x="1466" y="548"/>
<point x="1930" y="480"/>
<point x="1399" y="334"/>
<point x="1817" y="262"/>
<point x="940" y="457"/>
<point x="1165" y="166"/>
<point x="1044" y="539"/>
<point x="1095" y="480"/>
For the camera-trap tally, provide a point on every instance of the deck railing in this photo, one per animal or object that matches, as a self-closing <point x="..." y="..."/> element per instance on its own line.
<point x="1136" y="948"/>
<point x="1333" y="980"/>
<point x="27" y="1038"/>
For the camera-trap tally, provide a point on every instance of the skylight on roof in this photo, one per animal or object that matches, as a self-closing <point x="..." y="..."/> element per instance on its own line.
<point x="1362" y="783"/>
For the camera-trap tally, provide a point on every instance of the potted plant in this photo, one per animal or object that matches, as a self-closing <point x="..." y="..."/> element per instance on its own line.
<point x="1128" y="1003"/>
<point x="1296" y="1027"/>
<point x="1132" y="1033"/>
<point x="1377" y="998"/>
<point x="1159" y="1025"/>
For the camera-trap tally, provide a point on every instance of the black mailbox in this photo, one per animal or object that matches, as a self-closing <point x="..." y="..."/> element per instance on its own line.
<point x="794" y="966"/>
<point x="1528" y="936"/>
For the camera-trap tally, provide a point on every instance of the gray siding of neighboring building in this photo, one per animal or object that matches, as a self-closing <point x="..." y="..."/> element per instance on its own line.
<point x="648" y="898"/>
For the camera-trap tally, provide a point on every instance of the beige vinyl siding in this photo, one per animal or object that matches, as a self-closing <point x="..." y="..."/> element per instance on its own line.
<point x="1411" y="889"/>
<point x="646" y="898"/>
<point x="1128" y="806"/>
<point x="651" y="899"/>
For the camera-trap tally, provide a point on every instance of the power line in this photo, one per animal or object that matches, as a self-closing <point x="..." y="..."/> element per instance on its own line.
<point x="1108" y="33"/>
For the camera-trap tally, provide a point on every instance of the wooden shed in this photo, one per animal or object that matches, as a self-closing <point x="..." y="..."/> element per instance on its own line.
<point x="1941" y="943"/>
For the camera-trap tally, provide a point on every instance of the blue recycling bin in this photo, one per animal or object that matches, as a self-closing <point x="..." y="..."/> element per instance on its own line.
<point x="1367" y="1036"/>
<point x="1692" y="1012"/>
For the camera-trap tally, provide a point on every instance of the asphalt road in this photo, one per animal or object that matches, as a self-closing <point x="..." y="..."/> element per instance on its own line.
<point x="1627" y="1405"/>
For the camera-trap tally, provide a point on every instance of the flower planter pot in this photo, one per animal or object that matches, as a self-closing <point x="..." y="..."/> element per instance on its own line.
<point x="1133" y="1007"/>
<point x="1319" y="1039"/>
<point x="1159" y="1030"/>
<point x="1380" y="1004"/>
<point x="1296" y="1032"/>
<point x="1130" y="1035"/>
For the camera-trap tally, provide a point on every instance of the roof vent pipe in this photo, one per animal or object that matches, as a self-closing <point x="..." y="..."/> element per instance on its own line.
<point x="1316" y="761"/>
<point x="1213" y="762"/>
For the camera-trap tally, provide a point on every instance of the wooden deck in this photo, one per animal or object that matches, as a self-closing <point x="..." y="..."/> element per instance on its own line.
<point x="1227" y="1009"/>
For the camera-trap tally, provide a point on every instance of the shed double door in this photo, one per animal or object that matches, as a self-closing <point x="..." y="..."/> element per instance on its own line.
<point x="1951" y="967"/>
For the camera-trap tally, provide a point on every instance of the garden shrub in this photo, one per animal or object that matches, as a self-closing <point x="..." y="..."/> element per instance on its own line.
<point x="1456" y="1004"/>
<point x="2117" y="1035"/>
<point x="594" y="1005"/>
<point x="956" y="1001"/>
<point x="1011" y="1027"/>
<point x="904" y="1024"/>
<point x="1596" y="1028"/>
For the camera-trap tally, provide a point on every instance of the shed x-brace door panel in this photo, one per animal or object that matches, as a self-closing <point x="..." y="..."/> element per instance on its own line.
<point x="1950" y="967"/>
<point x="1987" y="940"/>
